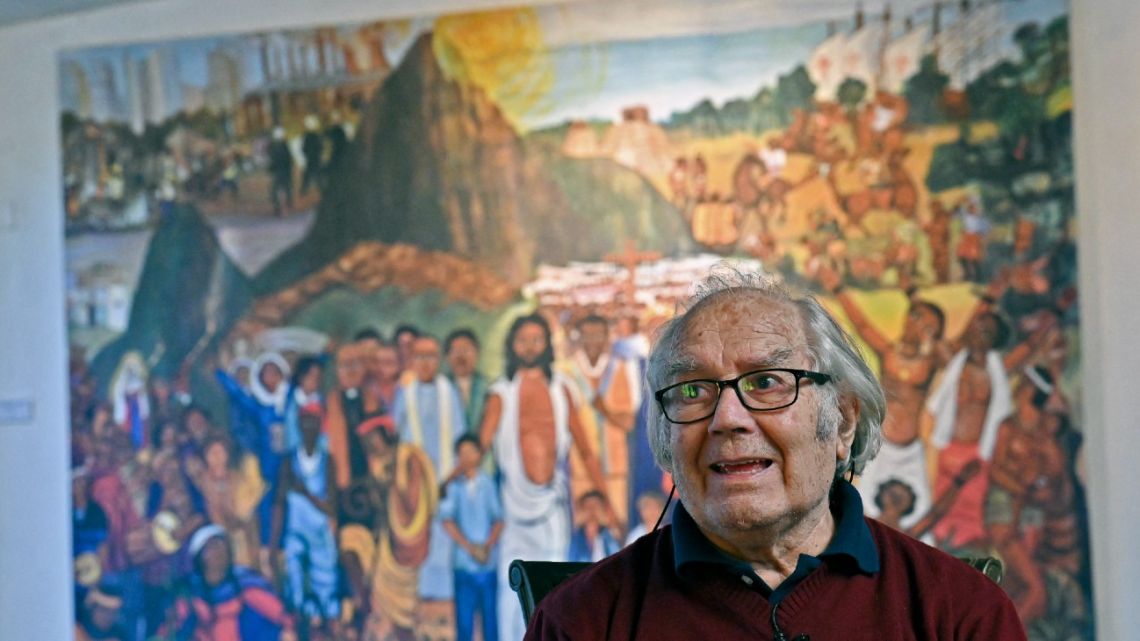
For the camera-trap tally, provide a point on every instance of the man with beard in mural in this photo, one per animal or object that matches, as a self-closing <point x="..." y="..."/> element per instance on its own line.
<point x="610" y="387"/>
<point x="429" y="415"/>
<point x="382" y="549"/>
<point x="531" y="422"/>
<point x="907" y="370"/>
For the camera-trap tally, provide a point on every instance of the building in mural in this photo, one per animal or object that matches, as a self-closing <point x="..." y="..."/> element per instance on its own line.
<point x="297" y="260"/>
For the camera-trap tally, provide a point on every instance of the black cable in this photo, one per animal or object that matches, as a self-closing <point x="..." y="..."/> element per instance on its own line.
<point x="665" y="509"/>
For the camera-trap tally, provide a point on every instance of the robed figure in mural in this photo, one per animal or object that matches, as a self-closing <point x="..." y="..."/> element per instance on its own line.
<point x="531" y="423"/>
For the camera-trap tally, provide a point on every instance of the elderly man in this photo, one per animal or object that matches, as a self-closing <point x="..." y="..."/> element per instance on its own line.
<point x="763" y="407"/>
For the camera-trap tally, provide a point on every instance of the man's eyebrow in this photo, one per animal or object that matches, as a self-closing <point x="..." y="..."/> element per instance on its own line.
<point x="686" y="364"/>
<point x="775" y="359"/>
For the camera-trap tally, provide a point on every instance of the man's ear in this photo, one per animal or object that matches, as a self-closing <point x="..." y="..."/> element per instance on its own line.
<point x="849" y="413"/>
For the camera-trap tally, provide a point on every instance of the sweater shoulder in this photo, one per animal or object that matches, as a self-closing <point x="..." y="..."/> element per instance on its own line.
<point x="932" y="568"/>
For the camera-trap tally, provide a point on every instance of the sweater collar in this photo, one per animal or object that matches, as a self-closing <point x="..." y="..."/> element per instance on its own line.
<point x="852" y="540"/>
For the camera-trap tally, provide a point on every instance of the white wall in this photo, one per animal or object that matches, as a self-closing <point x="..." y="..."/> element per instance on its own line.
<point x="1105" y="53"/>
<point x="35" y="577"/>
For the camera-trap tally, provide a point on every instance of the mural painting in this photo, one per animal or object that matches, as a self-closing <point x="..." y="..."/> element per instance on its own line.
<point x="359" y="312"/>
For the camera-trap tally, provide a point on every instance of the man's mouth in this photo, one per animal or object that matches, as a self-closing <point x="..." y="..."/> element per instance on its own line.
<point x="742" y="466"/>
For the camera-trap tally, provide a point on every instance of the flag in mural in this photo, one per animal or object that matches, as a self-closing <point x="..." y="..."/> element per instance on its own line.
<point x="313" y="276"/>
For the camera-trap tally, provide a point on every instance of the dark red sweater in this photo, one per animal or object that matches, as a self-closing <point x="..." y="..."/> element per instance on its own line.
<point x="918" y="593"/>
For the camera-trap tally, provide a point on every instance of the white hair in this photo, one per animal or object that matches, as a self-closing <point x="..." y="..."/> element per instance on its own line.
<point x="830" y="349"/>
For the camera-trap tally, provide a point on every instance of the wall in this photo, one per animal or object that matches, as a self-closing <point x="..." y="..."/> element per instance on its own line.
<point x="34" y="530"/>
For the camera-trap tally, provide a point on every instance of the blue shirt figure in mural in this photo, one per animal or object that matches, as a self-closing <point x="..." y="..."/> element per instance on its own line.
<point x="304" y="390"/>
<point x="592" y="540"/>
<point x="472" y="515"/>
<point x="429" y="415"/>
<point x="305" y="504"/>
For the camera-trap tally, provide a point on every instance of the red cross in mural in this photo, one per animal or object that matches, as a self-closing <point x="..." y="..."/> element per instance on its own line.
<point x="630" y="258"/>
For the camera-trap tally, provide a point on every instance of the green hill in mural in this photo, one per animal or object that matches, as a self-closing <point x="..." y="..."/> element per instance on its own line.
<point x="435" y="164"/>
<point x="188" y="289"/>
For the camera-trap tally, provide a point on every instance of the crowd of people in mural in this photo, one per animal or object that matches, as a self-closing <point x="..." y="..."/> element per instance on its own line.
<point x="343" y="493"/>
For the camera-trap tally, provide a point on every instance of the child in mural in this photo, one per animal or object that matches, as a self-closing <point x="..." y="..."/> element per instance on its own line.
<point x="429" y="415"/>
<point x="227" y="601"/>
<point x="649" y="507"/>
<point x="532" y="422"/>
<point x="304" y="506"/>
<point x="381" y="551"/>
<point x="594" y="539"/>
<point x="472" y="515"/>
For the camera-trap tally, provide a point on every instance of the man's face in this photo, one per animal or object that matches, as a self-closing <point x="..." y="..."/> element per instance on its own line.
<point x="349" y="370"/>
<point x="462" y="356"/>
<point x="425" y="359"/>
<point x="217" y="458"/>
<point x="921" y="325"/>
<point x="197" y="425"/>
<point x="404" y="342"/>
<point x="593" y="511"/>
<point x="739" y="470"/>
<point x="311" y="382"/>
<point x="385" y="364"/>
<point x="982" y="333"/>
<point x="529" y="343"/>
<point x="595" y="339"/>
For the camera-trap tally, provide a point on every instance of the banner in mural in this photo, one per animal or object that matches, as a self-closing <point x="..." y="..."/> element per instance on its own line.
<point x="306" y="268"/>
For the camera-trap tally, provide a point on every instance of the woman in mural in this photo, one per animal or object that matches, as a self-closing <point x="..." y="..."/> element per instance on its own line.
<point x="232" y="488"/>
<point x="264" y="407"/>
<point x="227" y="601"/>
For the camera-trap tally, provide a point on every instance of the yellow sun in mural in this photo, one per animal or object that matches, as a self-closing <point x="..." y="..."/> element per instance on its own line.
<point x="503" y="53"/>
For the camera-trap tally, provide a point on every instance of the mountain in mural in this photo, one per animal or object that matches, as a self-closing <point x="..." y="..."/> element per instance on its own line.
<point x="435" y="164"/>
<point x="189" y="290"/>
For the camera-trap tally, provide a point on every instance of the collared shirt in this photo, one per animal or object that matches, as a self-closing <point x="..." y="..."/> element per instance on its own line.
<point x="851" y="550"/>
<point x="473" y="503"/>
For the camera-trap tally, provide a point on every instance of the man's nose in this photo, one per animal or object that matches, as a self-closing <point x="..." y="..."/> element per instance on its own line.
<point x="731" y="416"/>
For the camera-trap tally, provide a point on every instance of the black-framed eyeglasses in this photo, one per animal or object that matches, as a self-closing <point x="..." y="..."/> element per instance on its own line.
<point x="762" y="390"/>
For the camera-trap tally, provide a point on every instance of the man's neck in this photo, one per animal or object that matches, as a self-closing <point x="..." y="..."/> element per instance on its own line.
<point x="773" y="552"/>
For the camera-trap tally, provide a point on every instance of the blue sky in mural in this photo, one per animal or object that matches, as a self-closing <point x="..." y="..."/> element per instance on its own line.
<point x="656" y="64"/>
